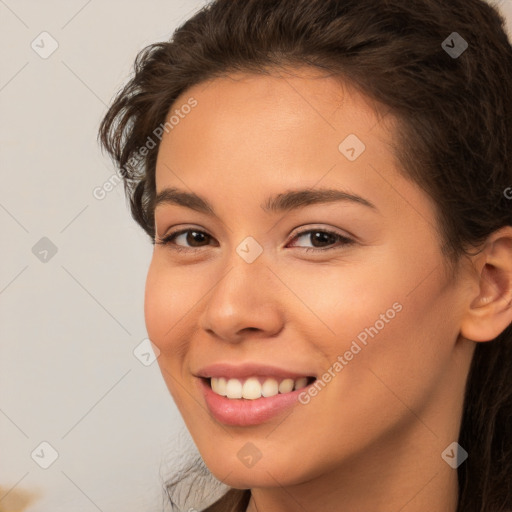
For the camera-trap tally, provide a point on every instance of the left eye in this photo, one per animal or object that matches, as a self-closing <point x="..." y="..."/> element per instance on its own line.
<point x="196" y="238"/>
<point x="323" y="237"/>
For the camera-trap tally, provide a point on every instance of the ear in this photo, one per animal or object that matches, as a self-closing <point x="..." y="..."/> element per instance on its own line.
<point x="489" y="309"/>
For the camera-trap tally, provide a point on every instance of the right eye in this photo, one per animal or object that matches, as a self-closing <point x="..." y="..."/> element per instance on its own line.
<point x="189" y="236"/>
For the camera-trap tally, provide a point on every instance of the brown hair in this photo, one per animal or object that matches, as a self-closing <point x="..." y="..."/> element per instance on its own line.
<point x="454" y="139"/>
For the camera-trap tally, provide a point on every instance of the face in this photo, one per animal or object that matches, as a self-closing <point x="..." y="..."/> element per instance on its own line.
<point x="298" y="264"/>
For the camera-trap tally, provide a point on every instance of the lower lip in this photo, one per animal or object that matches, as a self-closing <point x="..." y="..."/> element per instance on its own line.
<point x="243" y="412"/>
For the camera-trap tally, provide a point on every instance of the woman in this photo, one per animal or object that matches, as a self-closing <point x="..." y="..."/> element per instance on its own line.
<point x="327" y="185"/>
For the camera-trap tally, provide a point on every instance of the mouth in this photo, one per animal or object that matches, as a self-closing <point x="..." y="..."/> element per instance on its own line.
<point x="250" y="395"/>
<point x="256" y="387"/>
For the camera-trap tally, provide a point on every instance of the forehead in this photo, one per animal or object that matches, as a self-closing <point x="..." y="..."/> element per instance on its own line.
<point x="292" y="95"/>
<point x="292" y="117"/>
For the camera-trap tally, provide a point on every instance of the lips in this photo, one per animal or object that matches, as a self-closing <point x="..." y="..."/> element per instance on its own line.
<point x="250" y="394"/>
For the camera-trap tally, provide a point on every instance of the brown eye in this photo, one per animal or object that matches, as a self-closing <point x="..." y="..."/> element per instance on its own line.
<point x="196" y="237"/>
<point x="319" y="238"/>
<point x="192" y="238"/>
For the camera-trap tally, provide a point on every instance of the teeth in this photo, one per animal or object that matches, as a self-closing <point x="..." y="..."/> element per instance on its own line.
<point x="286" y="386"/>
<point x="234" y="388"/>
<point x="219" y="385"/>
<point x="269" y="388"/>
<point x="301" y="383"/>
<point x="253" y="389"/>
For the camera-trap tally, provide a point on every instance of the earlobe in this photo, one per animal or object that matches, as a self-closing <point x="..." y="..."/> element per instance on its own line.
<point x="489" y="313"/>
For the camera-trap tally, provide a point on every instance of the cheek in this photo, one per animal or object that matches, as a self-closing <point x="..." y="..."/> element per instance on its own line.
<point x="407" y="360"/>
<point x="342" y="301"/>
<point x="169" y="297"/>
<point x="163" y="308"/>
<point x="387" y="322"/>
<point x="155" y="298"/>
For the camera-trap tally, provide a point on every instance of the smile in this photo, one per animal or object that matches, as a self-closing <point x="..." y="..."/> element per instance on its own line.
<point x="253" y="388"/>
<point x="250" y="394"/>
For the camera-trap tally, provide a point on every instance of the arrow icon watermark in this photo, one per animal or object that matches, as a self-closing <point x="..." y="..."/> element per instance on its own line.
<point x="146" y="352"/>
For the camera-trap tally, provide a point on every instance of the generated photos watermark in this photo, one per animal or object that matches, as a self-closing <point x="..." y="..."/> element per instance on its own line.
<point x="100" y="192"/>
<point x="356" y="346"/>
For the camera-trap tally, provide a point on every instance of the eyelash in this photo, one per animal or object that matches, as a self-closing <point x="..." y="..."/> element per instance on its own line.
<point x="168" y="240"/>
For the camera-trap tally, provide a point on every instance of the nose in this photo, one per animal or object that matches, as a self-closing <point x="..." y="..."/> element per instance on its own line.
<point x="243" y="303"/>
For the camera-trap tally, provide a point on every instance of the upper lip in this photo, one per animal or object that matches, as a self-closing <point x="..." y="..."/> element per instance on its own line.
<point x="245" y="370"/>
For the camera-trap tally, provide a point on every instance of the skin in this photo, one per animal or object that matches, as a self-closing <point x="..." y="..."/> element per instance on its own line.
<point x="372" y="438"/>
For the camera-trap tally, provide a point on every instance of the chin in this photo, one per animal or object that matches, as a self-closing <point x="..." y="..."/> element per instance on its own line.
<point x="266" y="472"/>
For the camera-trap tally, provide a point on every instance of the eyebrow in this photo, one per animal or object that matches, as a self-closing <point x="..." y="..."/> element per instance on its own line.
<point x="284" y="202"/>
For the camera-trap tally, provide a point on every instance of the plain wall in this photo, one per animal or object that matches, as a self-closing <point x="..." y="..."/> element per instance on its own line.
<point x="70" y="321"/>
